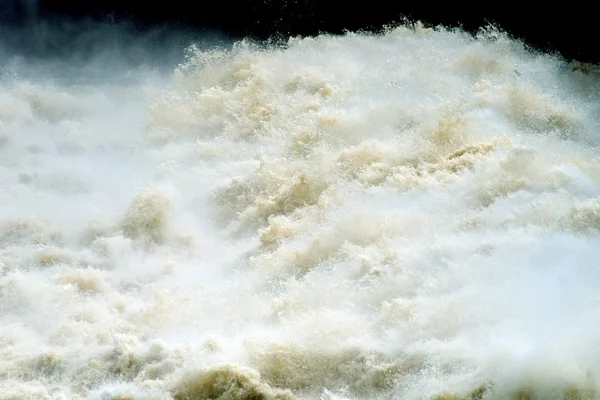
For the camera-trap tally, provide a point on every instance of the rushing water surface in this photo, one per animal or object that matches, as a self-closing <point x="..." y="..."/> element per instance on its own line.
<point x="407" y="215"/>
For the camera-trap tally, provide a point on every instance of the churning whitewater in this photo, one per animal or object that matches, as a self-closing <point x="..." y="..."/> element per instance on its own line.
<point x="407" y="215"/>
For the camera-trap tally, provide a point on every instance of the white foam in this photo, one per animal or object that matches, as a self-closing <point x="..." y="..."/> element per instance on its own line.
<point x="405" y="215"/>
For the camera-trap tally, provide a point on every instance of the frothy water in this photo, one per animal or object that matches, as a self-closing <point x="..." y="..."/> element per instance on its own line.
<point x="406" y="215"/>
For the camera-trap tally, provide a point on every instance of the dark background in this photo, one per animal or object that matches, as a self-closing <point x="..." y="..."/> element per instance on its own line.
<point x="570" y="28"/>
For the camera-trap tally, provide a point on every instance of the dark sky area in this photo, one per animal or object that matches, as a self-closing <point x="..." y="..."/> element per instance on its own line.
<point x="570" y="29"/>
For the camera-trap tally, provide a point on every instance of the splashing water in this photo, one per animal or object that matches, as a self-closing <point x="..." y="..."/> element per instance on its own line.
<point x="413" y="214"/>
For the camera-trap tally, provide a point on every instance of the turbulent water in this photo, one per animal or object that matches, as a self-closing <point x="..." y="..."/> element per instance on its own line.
<point x="406" y="215"/>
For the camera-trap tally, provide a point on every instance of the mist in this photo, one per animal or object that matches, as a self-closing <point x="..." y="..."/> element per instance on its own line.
<point x="411" y="214"/>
